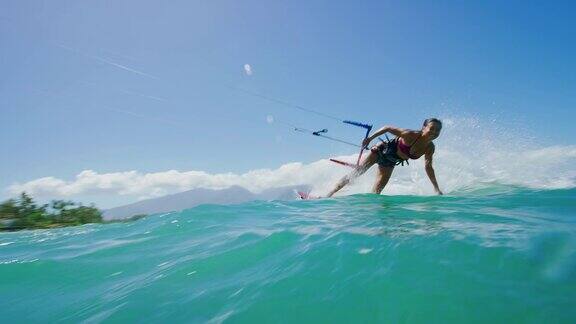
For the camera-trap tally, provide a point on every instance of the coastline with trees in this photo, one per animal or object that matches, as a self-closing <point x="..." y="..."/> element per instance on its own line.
<point x="24" y="213"/>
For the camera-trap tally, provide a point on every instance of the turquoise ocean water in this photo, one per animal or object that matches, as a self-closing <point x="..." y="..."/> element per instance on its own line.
<point x="500" y="254"/>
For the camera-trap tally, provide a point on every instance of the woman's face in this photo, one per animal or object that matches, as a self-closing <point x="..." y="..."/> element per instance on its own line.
<point x="432" y="130"/>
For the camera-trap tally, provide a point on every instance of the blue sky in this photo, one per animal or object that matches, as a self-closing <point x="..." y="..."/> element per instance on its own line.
<point x="124" y="85"/>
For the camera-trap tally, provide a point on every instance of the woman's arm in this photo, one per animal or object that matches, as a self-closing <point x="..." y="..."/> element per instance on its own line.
<point x="386" y="129"/>
<point x="430" y="170"/>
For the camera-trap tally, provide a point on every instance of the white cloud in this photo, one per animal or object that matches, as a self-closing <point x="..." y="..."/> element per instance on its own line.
<point x="248" y="69"/>
<point x="146" y="185"/>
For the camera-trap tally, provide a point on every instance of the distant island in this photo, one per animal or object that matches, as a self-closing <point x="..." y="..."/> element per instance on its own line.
<point x="199" y="196"/>
<point x="23" y="213"/>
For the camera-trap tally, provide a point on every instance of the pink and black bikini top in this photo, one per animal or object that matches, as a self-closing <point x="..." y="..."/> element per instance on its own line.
<point x="406" y="148"/>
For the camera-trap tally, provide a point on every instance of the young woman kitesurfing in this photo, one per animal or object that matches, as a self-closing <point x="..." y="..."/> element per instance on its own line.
<point x="408" y="144"/>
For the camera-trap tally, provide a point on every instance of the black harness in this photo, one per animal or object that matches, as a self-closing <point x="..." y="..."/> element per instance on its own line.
<point x="388" y="153"/>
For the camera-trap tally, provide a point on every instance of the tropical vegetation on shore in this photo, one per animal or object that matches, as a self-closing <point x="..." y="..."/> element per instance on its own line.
<point x="24" y="213"/>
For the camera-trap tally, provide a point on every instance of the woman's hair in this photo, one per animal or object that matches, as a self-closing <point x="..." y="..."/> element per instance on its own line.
<point x="432" y="120"/>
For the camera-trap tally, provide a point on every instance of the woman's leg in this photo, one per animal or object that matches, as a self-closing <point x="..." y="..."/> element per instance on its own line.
<point x="369" y="161"/>
<point x="384" y="174"/>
